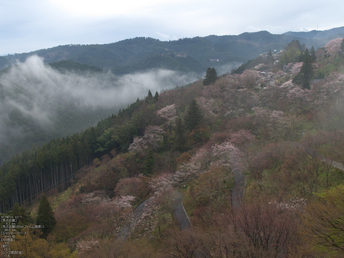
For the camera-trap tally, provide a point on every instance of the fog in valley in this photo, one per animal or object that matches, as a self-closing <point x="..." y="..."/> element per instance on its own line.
<point x="227" y="68"/>
<point x="39" y="103"/>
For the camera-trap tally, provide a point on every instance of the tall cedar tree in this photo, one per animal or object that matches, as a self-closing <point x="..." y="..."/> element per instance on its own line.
<point x="156" y="96"/>
<point x="313" y="56"/>
<point x="180" y="139"/>
<point x="307" y="70"/>
<point x="149" y="97"/>
<point x="45" y="217"/>
<point x="305" y="76"/>
<point x="194" y="116"/>
<point x="210" y="77"/>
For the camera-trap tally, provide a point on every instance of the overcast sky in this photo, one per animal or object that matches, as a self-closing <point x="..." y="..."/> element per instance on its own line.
<point x="28" y="25"/>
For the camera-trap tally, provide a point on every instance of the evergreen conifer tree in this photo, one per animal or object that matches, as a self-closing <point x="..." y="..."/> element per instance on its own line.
<point x="194" y="116"/>
<point x="210" y="77"/>
<point x="156" y="96"/>
<point x="149" y="162"/>
<point x="270" y="56"/>
<point x="313" y="57"/>
<point x="307" y="70"/>
<point x="45" y="217"/>
<point x="305" y="76"/>
<point x="302" y="56"/>
<point x="149" y="97"/>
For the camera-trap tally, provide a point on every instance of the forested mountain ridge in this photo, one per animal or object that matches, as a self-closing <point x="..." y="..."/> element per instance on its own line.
<point x="41" y="101"/>
<point x="70" y="66"/>
<point x="132" y="55"/>
<point x="317" y="34"/>
<point x="274" y="118"/>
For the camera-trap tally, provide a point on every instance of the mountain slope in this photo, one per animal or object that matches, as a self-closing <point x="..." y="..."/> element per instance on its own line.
<point x="255" y="170"/>
<point x="315" y="34"/>
<point x="40" y="102"/>
<point x="211" y="51"/>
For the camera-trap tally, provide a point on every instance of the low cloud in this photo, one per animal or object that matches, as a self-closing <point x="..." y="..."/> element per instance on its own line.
<point x="33" y="95"/>
<point x="227" y="68"/>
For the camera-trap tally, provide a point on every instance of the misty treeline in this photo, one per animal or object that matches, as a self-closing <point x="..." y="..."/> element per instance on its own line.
<point x="40" y="102"/>
<point x="54" y="164"/>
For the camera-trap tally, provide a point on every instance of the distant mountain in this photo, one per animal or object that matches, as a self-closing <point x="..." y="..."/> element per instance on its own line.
<point x="188" y="54"/>
<point x="165" y="61"/>
<point x="4" y="62"/>
<point x="317" y="38"/>
<point x="317" y="34"/>
<point x="68" y="65"/>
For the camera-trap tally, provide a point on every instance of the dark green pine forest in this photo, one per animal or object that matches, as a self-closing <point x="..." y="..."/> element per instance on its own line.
<point x="25" y="176"/>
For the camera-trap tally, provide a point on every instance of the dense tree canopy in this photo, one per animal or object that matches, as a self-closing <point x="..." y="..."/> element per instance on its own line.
<point x="210" y="77"/>
<point x="20" y="213"/>
<point x="54" y="164"/>
<point x="194" y="116"/>
<point x="45" y="217"/>
<point x="292" y="52"/>
<point x="149" y="162"/>
<point x="324" y="222"/>
<point x="313" y="55"/>
<point x="305" y="76"/>
<point x="307" y="70"/>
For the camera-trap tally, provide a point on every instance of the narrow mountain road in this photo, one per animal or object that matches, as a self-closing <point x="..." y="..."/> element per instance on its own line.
<point x="132" y="222"/>
<point x="179" y="213"/>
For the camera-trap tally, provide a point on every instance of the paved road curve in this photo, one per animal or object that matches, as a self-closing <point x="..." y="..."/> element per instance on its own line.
<point x="179" y="213"/>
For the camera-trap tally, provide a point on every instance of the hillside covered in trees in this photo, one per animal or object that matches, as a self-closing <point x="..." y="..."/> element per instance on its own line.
<point x="255" y="157"/>
<point x="41" y="102"/>
<point x="187" y="54"/>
